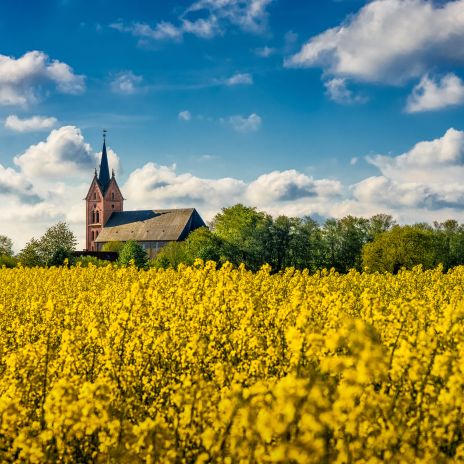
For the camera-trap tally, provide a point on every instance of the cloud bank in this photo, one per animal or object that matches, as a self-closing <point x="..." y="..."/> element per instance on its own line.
<point x="50" y="178"/>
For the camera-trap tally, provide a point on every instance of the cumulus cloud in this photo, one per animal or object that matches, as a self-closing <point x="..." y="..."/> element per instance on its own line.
<point x="63" y="154"/>
<point x="240" y="79"/>
<point x="126" y="82"/>
<point x="434" y="94"/>
<point x="425" y="179"/>
<point x="278" y="191"/>
<point x="388" y="41"/>
<point x="154" y="185"/>
<point x="438" y="161"/>
<point x="32" y="124"/>
<point x="291" y="185"/>
<point x="21" y="79"/>
<point x="205" y="19"/>
<point x="16" y="184"/>
<point x="184" y="115"/>
<point x="244" y="124"/>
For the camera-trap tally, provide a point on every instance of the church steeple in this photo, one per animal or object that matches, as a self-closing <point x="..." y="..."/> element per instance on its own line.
<point x="104" y="176"/>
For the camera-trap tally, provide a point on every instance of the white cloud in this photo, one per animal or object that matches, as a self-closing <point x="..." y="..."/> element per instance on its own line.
<point x="337" y="91"/>
<point x="240" y="79"/>
<point x="425" y="179"/>
<point x="205" y="19"/>
<point x="14" y="183"/>
<point x="278" y="192"/>
<point x="244" y="124"/>
<point x="430" y="94"/>
<point x="126" y="82"/>
<point x="388" y="41"/>
<point x="161" y="185"/>
<point x="438" y="161"/>
<point x="63" y="154"/>
<point x="34" y="123"/>
<point x="184" y="115"/>
<point x="21" y="79"/>
<point x="289" y="186"/>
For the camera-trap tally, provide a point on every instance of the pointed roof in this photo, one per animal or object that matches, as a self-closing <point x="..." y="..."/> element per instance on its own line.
<point x="104" y="176"/>
<point x="150" y="225"/>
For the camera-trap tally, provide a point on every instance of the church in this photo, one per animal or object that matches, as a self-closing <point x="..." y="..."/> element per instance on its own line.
<point x="106" y="220"/>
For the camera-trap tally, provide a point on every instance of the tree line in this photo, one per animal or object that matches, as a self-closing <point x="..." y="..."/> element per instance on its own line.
<point x="242" y="234"/>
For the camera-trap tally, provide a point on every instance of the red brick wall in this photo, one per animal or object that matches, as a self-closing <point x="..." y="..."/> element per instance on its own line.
<point x="99" y="209"/>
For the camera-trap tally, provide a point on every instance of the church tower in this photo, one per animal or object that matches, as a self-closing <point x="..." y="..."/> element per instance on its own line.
<point x="103" y="198"/>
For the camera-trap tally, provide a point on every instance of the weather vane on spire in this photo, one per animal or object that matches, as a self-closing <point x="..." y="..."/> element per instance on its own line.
<point x="104" y="134"/>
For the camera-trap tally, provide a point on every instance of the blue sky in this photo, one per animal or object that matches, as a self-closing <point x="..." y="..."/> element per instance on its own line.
<point x="297" y="107"/>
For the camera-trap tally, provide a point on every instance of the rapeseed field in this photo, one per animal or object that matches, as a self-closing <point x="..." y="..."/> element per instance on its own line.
<point x="198" y="365"/>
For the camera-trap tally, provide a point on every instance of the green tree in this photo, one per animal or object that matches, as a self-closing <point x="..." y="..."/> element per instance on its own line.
<point x="379" y="223"/>
<point x="245" y="235"/>
<point x="344" y="239"/>
<point x="279" y="251"/>
<point x="60" y="255"/>
<point x="449" y="243"/>
<point x="307" y="248"/>
<point x="171" y="255"/>
<point x="203" y="244"/>
<point x="85" y="261"/>
<point x="133" y="251"/>
<point x="7" y="261"/>
<point x="6" y="246"/>
<point x="58" y="239"/>
<point x="113" y="246"/>
<point x="31" y="255"/>
<point x="400" y="247"/>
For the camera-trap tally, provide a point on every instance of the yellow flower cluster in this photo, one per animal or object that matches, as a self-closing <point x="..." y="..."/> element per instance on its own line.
<point x="205" y="365"/>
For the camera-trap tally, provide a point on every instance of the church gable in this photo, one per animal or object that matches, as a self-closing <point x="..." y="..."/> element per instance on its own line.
<point x="95" y="192"/>
<point x="113" y="193"/>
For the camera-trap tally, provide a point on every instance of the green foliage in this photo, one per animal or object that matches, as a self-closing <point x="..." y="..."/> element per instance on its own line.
<point x="57" y="239"/>
<point x="85" y="261"/>
<point x="203" y="244"/>
<point x="171" y="255"/>
<point x="244" y="233"/>
<point x="31" y="254"/>
<point x="6" y="246"/>
<point x="60" y="256"/>
<point x="133" y="251"/>
<point x="401" y="247"/>
<point x="113" y="246"/>
<point x="7" y="261"/>
<point x="57" y="243"/>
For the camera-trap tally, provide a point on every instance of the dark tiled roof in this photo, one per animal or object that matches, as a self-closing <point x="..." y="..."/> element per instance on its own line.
<point x="150" y="225"/>
<point x="104" y="177"/>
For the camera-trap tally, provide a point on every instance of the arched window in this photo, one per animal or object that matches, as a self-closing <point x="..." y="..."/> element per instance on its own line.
<point x="93" y="217"/>
<point x="94" y="195"/>
<point x="93" y="235"/>
<point x="112" y="196"/>
<point x="98" y="217"/>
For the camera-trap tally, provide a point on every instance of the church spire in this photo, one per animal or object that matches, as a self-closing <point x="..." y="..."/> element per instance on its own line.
<point x="104" y="176"/>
